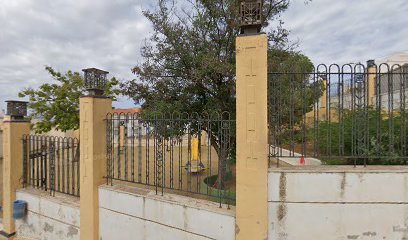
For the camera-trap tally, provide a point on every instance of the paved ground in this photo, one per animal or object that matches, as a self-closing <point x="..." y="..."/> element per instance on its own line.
<point x="293" y="158"/>
<point x="20" y="238"/>
<point x="17" y="238"/>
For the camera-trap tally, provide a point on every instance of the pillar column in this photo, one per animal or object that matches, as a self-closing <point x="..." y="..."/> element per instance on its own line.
<point x="252" y="137"/>
<point x="324" y="109"/>
<point x="93" y="110"/>
<point x="13" y="131"/>
<point x="371" y="71"/>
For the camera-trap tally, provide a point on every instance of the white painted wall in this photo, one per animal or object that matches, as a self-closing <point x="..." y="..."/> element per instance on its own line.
<point x="49" y="218"/>
<point x="338" y="203"/>
<point x="128" y="212"/>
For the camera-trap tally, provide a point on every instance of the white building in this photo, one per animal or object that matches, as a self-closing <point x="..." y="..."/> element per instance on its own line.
<point x="392" y="75"/>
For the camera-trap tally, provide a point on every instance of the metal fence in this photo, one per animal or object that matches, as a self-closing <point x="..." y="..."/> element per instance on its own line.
<point x="187" y="153"/>
<point x="51" y="164"/>
<point x="349" y="114"/>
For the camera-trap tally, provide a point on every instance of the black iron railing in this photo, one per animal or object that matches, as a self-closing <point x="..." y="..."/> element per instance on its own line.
<point x="51" y="164"/>
<point x="350" y="114"/>
<point x="178" y="152"/>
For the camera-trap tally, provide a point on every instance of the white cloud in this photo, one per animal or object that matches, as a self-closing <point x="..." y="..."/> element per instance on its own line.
<point x="107" y="34"/>
<point x="348" y="30"/>
<point x="67" y="35"/>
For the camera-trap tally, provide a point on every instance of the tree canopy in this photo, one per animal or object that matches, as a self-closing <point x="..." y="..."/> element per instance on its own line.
<point x="56" y="105"/>
<point x="292" y="89"/>
<point x="189" y="60"/>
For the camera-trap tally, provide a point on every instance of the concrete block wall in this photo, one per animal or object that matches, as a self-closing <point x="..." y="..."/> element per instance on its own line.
<point x="338" y="203"/>
<point x="128" y="212"/>
<point x="48" y="217"/>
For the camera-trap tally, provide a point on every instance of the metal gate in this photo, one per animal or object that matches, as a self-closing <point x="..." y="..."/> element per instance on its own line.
<point x="51" y="164"/>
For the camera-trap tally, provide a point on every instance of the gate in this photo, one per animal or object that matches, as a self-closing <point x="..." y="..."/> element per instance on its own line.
<point x="51" y="164"/>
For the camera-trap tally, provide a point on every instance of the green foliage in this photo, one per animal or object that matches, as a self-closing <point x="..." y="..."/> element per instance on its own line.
<point x="189" y="60"/>
<point x="56" y="105"/>
<point x="383" y="143"/>
<point x="217" y="192"/>
<point x="292" y="92"/>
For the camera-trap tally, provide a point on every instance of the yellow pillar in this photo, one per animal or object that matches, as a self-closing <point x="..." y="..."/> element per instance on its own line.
<point x="194" y="149"/>
<point x="13" y="131"/>
<point x="252" y="137"/>
<point x="93" y="111"/>
<point x="371" y="70"/>
<point x="122" y="136"/>
<point x="204" y="138"/>
<point x="323" y="108"/>
<point x="323" y="103"/>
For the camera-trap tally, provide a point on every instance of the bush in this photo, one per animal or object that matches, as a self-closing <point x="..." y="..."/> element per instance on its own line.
<point x="354" y="138"/>
<point x="369" y="135"/>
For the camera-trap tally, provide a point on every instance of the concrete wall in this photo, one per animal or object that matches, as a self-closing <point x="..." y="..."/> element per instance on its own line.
<point x="49" y="217"/>
<point x="128" y="212"/>
<point x="338" y="203"/>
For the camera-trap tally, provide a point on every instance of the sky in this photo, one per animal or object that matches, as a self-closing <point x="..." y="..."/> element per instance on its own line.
<point x="72" y="35"/>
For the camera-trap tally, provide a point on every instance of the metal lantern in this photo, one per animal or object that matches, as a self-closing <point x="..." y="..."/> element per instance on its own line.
<point x="17" y="110"/>
<point x="370" y="63"/>
<point x="95" y="81"/>
<point x="322" y="75"/>
<point x="251" y="16"/>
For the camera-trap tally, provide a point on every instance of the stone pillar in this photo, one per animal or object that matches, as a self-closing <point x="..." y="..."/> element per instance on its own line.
<point x="13" y="131"/>
<point x="93" y="110"/>
<point x="252" y="137"/>
<point x="371" y="71"/>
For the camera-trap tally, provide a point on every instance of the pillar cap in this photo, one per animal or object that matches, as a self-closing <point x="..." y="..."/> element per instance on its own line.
<point x="17" y="110"/>
<point x="95" y="81"/>
<point x="250" y="16"/>
<point x="371" y="63"/>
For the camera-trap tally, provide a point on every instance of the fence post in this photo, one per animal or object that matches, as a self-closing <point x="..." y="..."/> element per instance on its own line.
<point x="252" y="137"/>
<point x="14" y="127"/>
<point x="93" y="111"/>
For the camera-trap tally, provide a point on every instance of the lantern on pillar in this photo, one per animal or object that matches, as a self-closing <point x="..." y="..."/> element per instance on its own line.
<point x="95" y="81"/>
<point x="17" y="110"/>
<point x="251" y="16"/>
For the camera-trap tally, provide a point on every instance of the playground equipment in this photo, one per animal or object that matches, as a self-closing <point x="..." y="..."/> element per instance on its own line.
<point x="195" y="165"/>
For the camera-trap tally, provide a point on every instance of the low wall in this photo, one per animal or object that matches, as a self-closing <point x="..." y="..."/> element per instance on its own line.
<point x="48" y="217"/>
<point x="128" y="212"/>
<point x="338" y="203"/>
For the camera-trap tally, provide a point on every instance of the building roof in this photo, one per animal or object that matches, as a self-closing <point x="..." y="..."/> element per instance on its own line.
<point x="400" y="58"/>
<point x="126" y="110"/>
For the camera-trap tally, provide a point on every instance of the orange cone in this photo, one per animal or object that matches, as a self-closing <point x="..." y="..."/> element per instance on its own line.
<point x="302" y="161"/>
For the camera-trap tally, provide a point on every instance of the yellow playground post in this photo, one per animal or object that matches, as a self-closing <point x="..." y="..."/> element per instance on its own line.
<point x="194" y="149"/>
<point x="195" y="165"/>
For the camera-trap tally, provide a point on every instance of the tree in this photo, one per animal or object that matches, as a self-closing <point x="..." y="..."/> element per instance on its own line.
<point x="293" y="91"/>
<point x="57" y="104"/>
<point x="189" y="60"/>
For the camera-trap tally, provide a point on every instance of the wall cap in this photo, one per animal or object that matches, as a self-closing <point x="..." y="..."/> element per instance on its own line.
<point x="171" y="198"/>
<point x="340" y="169"/>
